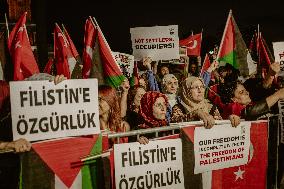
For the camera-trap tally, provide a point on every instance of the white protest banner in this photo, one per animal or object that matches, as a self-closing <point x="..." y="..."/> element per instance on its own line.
<point x="221" y="147"/>
<point x="125" y="63"/>
<point x="157" y="164"/>
<point x="158" y="42"/>
<point x="281" y="119"/>
<point x="42" y="110"/>
<point x="279" y="55"/>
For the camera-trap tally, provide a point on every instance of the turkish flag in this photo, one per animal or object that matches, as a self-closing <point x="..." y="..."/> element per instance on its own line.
<point x="21" y="52"/>
<point x="71" y="44"/>
<point x="250" y="176"/>
<point x="192" y="44"/>
<point x="61" y="53"/>
<point x="89" y="44"/>
<point x="48" y="66"/>
<point x="253" y="174"/>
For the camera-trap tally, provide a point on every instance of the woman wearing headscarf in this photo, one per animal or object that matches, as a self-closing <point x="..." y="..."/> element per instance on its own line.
<point x="170" y="89"/>
<point x="194" y="103"/>
<point x="153" y="108"/>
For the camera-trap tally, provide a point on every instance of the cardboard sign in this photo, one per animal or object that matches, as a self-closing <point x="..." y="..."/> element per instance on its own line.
<point x="279" y="55"/>
<point x="158" y="42"/>
<point x="42" y="110"/>
<point x="221" y="147"/>
<point x="155" y="165"/>
<point x="125" y="63"/>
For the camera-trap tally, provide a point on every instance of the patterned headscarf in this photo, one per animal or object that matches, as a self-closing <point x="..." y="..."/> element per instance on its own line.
<point x="186" y="97"/>
<point x="146" y="110"/>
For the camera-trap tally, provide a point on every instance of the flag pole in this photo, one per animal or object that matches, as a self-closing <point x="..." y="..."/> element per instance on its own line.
<point x="63" y="28"/>
<point x="92" y="21"/>
<point x="7" y="27"/>
<point x="63" y="32"/>
<point x="223" y="37"/>
<point x="63" y="35"/>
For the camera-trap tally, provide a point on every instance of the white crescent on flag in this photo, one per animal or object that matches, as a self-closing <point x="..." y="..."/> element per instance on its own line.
<point x="194" y="44"/>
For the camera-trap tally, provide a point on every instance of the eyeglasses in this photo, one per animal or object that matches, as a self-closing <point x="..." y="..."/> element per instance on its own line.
<point x="198" y="87"/>
<point x="160" y="105"/>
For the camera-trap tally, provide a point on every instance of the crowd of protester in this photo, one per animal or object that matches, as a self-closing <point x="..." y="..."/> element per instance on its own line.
<point x="161" y="98"/>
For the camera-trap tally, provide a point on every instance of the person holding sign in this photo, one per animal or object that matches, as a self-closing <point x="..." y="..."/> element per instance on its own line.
<point x="9" y="149"/>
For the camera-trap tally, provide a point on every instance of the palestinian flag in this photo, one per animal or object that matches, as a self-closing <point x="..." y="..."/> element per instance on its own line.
<point x="233" y="49"/>
<point x="112" y="73"/>
<point x="56" y="164"/>
<point x="261" y="53"/>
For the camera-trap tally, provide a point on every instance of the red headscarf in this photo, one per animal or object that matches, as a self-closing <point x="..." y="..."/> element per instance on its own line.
<point x="146" y="109"/>
<point x="4" y="93"/>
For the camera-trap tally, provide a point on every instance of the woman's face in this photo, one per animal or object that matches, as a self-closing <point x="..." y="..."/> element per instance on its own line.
<point x="140" y="92"/>
<point x="104" y="107"/>
<point x="197" y="90"/>
<point x="241" y="95"/>
<point x="160" y="109"/>
<point x="172" y="86"/>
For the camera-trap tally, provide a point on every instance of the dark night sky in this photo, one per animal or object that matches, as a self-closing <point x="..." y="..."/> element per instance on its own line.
<point x="117" y="17"/>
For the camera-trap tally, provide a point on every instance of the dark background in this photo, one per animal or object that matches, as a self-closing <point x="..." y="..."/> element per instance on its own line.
<point x="117" y="17"/>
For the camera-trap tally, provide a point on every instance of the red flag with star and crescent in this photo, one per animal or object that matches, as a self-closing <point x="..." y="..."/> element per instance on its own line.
<point x="89" y="44"/>
<point x="48" y="66"/>
<point x="21" y="52"/>
<point x="192" y="44"/>
<point x="253" y="174"/>
<point x="249" y="176"/>
<point x="63" y="58"/>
